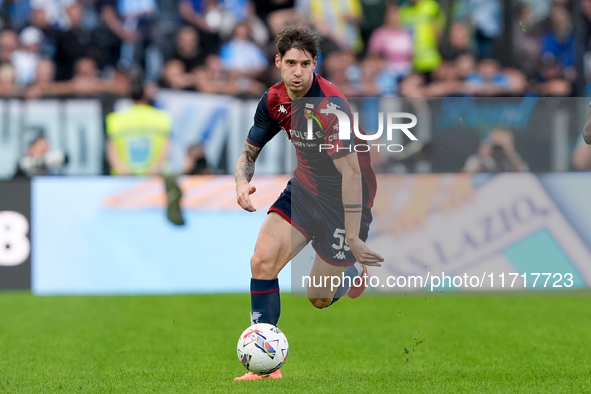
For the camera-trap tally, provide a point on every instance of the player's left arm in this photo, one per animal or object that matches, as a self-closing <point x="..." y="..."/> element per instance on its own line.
<point x="348" y="166"/>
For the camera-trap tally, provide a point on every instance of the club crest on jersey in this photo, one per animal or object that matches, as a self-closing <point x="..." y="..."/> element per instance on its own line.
<point x="309" y="111"/>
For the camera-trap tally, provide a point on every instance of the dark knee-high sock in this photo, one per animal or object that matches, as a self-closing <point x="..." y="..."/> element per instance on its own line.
<point x="350" y="274"/>
<point x="265" y="302"/>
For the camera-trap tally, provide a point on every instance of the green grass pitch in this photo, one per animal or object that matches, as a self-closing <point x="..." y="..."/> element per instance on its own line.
<point x="187" y="344"/>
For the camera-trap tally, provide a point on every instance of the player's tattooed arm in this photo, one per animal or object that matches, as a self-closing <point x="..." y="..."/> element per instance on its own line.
<point x="243" y="173"/>
<point x="244" y="169"/>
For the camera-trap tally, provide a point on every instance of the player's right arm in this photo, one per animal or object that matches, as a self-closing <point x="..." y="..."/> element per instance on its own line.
<point x="243" y="173"/>
<point x="263" y="130"/>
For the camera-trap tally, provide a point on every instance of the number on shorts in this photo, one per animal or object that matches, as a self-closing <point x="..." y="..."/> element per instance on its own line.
<point x="339" y="234"/>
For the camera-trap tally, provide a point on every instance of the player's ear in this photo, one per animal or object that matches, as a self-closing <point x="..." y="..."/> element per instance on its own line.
<point x="277" y="60"/>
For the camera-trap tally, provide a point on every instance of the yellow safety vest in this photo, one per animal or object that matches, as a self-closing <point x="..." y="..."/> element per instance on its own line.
<point x="139" y="135"/>
<point x="424" y="19"/>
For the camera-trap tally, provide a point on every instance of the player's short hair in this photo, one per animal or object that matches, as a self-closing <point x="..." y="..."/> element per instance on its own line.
<point x="302" y="38"/>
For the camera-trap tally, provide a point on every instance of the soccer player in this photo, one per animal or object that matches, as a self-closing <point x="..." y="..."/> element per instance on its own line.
<point x="331" y="191"/>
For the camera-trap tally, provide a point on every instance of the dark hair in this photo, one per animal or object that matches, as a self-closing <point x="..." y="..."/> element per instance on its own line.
<point x="137" y="92"/>
<point x="302" y="38"/>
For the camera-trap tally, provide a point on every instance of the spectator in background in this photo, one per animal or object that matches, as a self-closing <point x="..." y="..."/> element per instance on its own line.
<point x="413" y="85"/>
<point x="518" y="83"/>
<point x="338" y="21"/>
<point x="196" y="162"/>
<point x="373" y="17"/>
<point x="488" y="80"/>
<point x="222" y="15"/>
<point x="496" y="154"/>
<point x="550" y="79"/>
<point x="16" y="14"/>
<point x="44" y="77"/>
<point x="376" y="79"/>
<point x="50" y="17"/>
<point x="25" y="59"/>
<point x="174" y="76"/>
<point x="193" y="13"/>
<point x="485" y="16"/>
<point x="559" y="41"/>
<point x="426" y="21"/>
<point x="276" y="13"/>
<point x="539" y="9"/>
<point x="73" y="44"/>
<point x="586" y="9"/>
<point x="526" y="40"/>
<point x="135" y="27"/>
<point x="258" y="29"/>
<point x="40" y="160"/>
<point x="8" y="45"/>
<point x="87" y="80"/>
<point x="50" y="14"/>
<point x="445" y="82"/>
<point x="213" y="78"/>
<point x="138" y="137"/>
<point x="459" y="42"/>
<point x="241" y="56"/>
<point x="394" y="43"/>
<point x="465" y="66"/>
<point x="7" y="80"/>
<point x="340" y="68"/>
<point x="188" y="50"/>
<point x="188" y="56"/>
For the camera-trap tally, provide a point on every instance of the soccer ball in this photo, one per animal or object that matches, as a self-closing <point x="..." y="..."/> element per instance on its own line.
<point x="262" y="348"/>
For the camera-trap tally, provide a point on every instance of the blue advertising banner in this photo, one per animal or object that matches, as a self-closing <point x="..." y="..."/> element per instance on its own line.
<point x="500" y="232"/>
<point x="107" y="235"/>
<point x="489" y="232"/>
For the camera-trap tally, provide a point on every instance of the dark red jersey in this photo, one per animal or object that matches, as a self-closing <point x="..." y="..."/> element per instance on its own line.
<point x="316" y="146"/>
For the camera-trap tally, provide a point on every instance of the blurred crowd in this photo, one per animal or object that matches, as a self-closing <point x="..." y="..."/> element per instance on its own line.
<point x="369" y="47"/>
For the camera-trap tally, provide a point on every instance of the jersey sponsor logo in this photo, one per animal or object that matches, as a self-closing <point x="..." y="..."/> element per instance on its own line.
<point x="282" y="109"/>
